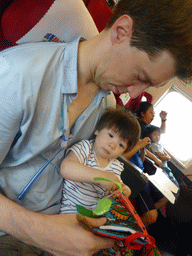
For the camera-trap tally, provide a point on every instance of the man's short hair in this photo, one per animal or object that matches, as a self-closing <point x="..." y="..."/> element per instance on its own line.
<point x="161" y="25"/>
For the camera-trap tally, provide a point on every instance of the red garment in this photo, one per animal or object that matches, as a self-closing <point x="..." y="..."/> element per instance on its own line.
<point x="133" y="104"/>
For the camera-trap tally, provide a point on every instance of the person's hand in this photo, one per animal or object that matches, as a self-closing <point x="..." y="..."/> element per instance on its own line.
<point x="110" y="186"/>
<point x="144" y="142"/>
<point x="126" y="190"/>
<point x="72" y="236"/>
<point x="163" y="115"/>
<point x="59" y="234"/>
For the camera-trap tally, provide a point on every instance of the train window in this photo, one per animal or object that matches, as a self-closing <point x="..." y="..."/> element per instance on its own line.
<point x="178" y="137"/>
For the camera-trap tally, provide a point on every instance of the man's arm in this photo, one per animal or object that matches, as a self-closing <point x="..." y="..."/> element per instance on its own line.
<point x="57" y="234"/>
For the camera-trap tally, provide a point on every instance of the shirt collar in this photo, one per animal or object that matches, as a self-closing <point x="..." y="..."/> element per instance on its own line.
<point x="70" y="66"/>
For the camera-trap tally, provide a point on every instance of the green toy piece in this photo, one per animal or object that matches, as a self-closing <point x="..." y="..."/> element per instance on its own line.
<point x="85" y="212"/>
<point x="117" y="183"/>
<point x="103" y="204"/>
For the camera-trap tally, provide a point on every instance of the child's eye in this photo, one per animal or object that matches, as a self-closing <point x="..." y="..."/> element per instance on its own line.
<point x="121" y="145"/>
<point x="110" y="135"/>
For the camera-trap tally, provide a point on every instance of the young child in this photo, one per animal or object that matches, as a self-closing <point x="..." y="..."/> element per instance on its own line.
<point x="117" y="131"/>
<point x="157" y="149"/>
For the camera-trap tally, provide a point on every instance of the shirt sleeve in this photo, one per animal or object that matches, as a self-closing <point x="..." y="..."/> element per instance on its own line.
<point x="10" y="106"/>
<point x="155" y="148"/>
<point x="81" y="150"/>
<point x="117" y="167"/>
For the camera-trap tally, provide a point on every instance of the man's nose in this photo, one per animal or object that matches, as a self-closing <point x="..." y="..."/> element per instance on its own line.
<point x="136" y="90"/>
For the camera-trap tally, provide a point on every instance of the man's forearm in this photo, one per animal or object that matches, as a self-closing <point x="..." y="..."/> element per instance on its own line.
<point x="58" y="234"/>
<point x="19" y="222"/>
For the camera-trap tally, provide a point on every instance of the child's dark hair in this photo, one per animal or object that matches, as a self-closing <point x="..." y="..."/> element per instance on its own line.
<point x="143" y="107"/>
<point x="152" y="129"/>
<point x="122" y="121"/>
<point x="160" y="25"/>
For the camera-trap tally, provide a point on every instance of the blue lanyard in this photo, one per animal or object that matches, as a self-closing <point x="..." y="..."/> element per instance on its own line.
<point x="35" y="177"/>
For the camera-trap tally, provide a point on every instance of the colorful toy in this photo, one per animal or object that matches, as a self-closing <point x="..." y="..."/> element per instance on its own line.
<point x="124" y="225"/>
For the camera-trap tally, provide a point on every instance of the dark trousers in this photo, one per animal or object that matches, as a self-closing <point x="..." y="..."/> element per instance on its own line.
<point x="10" y="246"/>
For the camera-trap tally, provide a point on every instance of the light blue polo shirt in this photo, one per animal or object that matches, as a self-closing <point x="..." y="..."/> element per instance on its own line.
<point x="38" y="81"/>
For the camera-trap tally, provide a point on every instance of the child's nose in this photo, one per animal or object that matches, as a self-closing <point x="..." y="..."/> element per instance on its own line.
<point x="113" y="145"/>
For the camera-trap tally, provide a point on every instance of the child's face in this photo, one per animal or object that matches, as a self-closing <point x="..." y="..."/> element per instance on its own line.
<point x="155" y="136"/>
<point x="108" y="144"/>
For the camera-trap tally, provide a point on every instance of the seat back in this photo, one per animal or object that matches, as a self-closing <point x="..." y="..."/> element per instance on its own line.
<point x="132" y="176"/>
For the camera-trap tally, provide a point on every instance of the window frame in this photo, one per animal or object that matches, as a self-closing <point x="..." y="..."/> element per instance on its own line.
<point x="174" y="159"/>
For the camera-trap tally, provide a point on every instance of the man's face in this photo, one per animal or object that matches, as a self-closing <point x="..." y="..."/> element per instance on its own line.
<point x="127" y="69"/>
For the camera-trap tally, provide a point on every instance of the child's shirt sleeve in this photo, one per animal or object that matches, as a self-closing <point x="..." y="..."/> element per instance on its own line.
<point x="81" y="150"/>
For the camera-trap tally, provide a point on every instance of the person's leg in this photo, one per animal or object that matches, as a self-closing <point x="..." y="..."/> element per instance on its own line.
<point x="28" y="250"/>
<point x="145" y="206"/>
<point x="149" y="217"/>
<point x="9" y="246"/>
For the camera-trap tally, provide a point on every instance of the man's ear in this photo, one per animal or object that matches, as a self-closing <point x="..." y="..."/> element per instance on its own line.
<point x="122" y="28"/>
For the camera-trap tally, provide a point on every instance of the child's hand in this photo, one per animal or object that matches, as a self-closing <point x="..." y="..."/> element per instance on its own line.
<point x="110" y="186"/>
<point x="126" y="190"/>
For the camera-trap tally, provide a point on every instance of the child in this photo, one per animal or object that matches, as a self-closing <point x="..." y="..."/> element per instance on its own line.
<point x="118" y="131"/>
<point x="157" y="149"/>
<point x="150" y="199"/>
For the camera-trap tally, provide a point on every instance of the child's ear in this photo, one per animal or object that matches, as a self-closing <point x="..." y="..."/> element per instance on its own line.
<point x="96" y="132"/>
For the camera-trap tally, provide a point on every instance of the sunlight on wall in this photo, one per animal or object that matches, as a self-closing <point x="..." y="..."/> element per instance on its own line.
<point x="178" y="136"/>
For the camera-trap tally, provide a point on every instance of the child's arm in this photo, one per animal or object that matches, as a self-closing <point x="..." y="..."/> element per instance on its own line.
<point x="157" y="161"/>
<point x="72" y="169"/>
<point x="126" y="190"/>
<point x="140" y="145"/>
<point x="163" y="156"/>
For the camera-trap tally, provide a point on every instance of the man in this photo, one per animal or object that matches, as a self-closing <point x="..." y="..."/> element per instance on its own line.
<point x="49" y="90"/>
